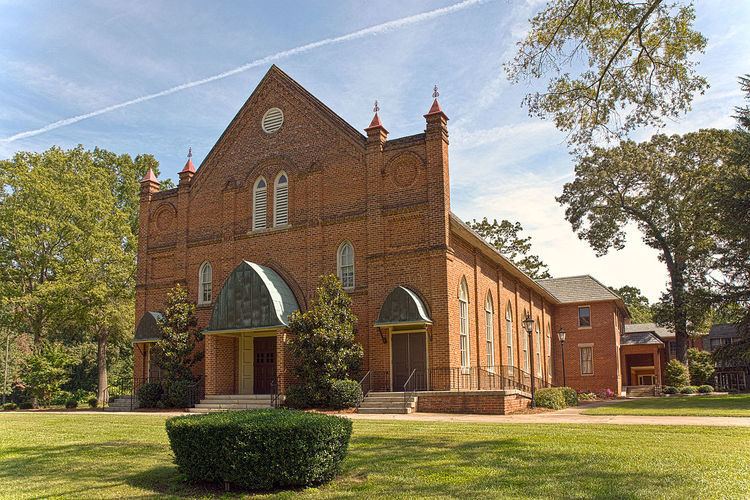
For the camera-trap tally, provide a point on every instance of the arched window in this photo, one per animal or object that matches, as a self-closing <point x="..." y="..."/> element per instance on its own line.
<point x="538" y="347"/>
<point x="509" y="333"/>
<point x="205" y="280"/>
<point x="281" y="200"/>
<point x="260" y="199"/>
<point x="463" y="315"/>
<point x="489" y="316"/>
<point x="345" y="265"/>
<point x="526" y="346"/>
<point x="549" y="350"/>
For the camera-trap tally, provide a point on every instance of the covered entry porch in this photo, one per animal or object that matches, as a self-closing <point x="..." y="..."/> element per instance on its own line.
<point x="642" y="357"/>
<point x="245" y="339"/>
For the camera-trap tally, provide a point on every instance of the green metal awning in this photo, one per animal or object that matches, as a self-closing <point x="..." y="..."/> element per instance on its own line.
<point x="148" y="328"/>
<point x="253" y="297"/>
<point x="403" y="307"/>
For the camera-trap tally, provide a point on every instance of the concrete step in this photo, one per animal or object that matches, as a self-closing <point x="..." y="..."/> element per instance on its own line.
<point x="387" y="410"/>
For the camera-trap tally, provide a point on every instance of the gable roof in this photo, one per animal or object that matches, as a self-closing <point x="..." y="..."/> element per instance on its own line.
<point x="640" y="338"/>
<point x="661" y="331"/>
<point x="276" y="72"/>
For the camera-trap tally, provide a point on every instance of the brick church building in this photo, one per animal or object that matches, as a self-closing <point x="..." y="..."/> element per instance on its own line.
<point x="290" y="192"/>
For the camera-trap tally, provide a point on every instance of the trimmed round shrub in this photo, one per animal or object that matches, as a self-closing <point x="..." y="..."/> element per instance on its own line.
<point x="10" y="406"/>
<point x="345" y="394"/>
<point x="550" y="397"/>
<point x="260" y="449"/>
<point x="297" y="397"/>
<point x="705" y="389"/>
<point x="71" y="403"/>
<point x="150" y="394"/>
<point x="688" y="389"/>
<point x="177" y="394"/>
<point x="570" y="395"/>
<point x="676" y="374"/>
<point x="93" y="402"/>
<point x="26" y="405"/>
<point x="669" y="389"/>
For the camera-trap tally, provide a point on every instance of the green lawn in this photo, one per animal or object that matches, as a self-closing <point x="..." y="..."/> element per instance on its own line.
<point x="119" y="456"/>
<point x="733" y="405"/>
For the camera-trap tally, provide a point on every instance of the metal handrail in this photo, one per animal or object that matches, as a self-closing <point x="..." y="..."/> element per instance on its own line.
<point x="274" y="392"/>
<point x="368" y="378"/>
<point x="407" y="383"/>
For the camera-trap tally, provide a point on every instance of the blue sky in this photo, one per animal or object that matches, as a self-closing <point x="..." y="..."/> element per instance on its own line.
<point x="63" y="59"/>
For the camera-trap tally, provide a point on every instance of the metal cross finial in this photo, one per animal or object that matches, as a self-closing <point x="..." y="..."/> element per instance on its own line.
<point x="190" y="152"/>
<point x="435" y="92"/>
<point x="376" y="108"/>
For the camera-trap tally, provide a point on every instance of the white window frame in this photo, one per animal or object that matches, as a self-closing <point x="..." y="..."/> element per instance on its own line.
<point x="281" y="219"/>
<point x="579" y="317"/>
<point x="590" y="348"/>
<point x="205" y="286"/>
<point x="538" y="353"/>
<point x="260" y="206"/>
<point x="489" y="316"/>
<point x="463" y="318"/>
<point x="549" y="350"/>
<point x="509" y="333"/>
<point x="526" y="349"/>
<point x="348" y="280"/>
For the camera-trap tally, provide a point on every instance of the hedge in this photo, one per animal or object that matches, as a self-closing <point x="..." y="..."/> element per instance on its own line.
<point x="688" y="389"/>
<point x="556" y="398"/>
<point x="150" y="394"/>
<point x="705" y="389"/>
<point x="260" y="449"/>
<point x="345" y="394"/>
<point x="669" y="389"/>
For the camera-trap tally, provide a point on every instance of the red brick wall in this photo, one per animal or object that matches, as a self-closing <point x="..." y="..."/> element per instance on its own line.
<point x="487" y="403"/>
<point x="605" y="343"/>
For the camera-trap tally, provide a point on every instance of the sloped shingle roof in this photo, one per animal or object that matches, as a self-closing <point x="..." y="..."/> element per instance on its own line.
<point x="649" y="327"/>
<point x="640" y="338"/>
<point x="577" y="289"/>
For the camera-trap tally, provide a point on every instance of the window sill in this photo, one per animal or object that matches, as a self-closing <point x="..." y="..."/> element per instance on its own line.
<point x="584" y="328"/>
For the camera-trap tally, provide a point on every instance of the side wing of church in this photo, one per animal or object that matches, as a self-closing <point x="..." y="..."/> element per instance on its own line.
<point x="291" y="192"/>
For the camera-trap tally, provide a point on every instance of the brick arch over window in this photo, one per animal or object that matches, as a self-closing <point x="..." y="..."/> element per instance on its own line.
<point x="253" y="296"/>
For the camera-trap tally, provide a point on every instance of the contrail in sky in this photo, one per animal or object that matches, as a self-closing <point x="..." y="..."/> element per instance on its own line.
<point x="372" y="30"/>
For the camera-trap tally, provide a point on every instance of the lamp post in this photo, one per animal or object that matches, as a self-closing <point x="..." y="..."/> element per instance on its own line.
<point x="528" y="325"/>
<point x="561" y="336"/>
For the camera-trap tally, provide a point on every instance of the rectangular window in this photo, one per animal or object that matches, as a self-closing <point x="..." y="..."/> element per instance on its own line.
<point x="584" y="317"/>
<point x="715" y="343"/>
<point x="587" y="360"/>
<point x="672" y="349"/>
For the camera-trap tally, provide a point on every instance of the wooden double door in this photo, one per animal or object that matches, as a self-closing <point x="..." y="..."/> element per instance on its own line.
<point x="257" y="364"/>
<point x="409" y="354"/>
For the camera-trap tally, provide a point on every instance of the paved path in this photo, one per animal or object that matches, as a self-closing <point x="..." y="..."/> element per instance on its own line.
<point x="567" y="416"/>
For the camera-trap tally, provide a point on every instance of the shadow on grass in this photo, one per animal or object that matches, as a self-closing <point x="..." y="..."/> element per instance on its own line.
<point x="376" y="466"/>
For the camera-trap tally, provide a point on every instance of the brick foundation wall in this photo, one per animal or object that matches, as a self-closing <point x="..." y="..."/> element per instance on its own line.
<point x="477" y="402"/>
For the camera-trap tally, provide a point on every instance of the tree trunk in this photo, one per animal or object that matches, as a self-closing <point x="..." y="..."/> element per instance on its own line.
<point x="101" y="364"/>
<point x="679" y="312"/>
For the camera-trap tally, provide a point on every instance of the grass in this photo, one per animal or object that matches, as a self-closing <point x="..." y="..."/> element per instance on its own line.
<point x="119" y="456"/>
<point x="732" y="405"/>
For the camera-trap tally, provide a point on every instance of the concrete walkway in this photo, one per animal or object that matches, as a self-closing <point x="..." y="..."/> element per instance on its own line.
<point x="567" y="416"/>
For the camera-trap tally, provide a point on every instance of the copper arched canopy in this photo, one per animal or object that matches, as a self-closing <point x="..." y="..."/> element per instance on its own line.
<point x="253" y="297"/>
<point x="403" y="307"/>
<point x="148" y="328"/>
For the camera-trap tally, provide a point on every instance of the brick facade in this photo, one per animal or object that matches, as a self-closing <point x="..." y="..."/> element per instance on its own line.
<point x="390" y="198"/>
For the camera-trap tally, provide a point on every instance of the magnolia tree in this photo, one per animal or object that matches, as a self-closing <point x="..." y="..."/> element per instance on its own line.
<point x="175" y="351"/>
<point x="323" y="342"/>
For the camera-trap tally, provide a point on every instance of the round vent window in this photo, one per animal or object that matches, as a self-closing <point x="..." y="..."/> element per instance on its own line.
<point x="272" y="120"/>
